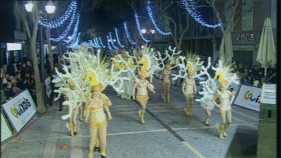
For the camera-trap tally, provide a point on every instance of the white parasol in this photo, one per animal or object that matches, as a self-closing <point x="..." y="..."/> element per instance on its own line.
<point x="266" y="52"/>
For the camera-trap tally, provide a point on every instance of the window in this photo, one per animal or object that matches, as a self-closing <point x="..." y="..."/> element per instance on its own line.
<point x="247" y="15"/>
<point x="273" y="13"/>
<point x="228" y="7"/>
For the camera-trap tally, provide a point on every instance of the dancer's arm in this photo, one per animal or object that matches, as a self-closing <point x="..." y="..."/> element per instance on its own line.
<point x="150" y="87"/>
<point x="183" y="86"/>
<point x="232" y="94"/>
<point x="214" y="101"/>
<point x="87" y="111"/>
<point x="106" y="103"/>
<point x="134" y="91"/>
<point x="194" y="86"/>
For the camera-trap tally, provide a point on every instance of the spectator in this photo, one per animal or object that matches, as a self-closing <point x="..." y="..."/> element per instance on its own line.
<point x="29" y="67"/>
<point x="19" y="80"/>
<point x="246" y="82"/>
<point x="12" y="68"/>
<point x="256" y="70"/>
<point x="27" y="82"/>
<point x="256" y="82"/>
<point x="15" y="89"/>
<point x="3" y="73"/>
<point x="241" y="68"/>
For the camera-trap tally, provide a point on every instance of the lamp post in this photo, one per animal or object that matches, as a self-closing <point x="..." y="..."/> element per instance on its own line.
<point x="50" y="8"/>
<point x="149" y="34"/>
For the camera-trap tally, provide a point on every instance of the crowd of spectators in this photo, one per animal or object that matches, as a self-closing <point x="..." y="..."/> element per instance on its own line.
<point x="16" y="77"/>
<point x="254" y="76"/>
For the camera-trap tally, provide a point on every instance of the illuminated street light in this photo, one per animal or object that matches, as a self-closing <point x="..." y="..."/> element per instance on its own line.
<point x="143" y="31"/>
<point x="152" y="31"/>
<point x="50" y="7"/>
<point x="28" y="6"/>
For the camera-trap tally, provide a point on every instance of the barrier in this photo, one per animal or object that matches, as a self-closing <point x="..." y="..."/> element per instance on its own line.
<point x="249" y="97"/>
<point x="5" y="130"/>
<point x="20" y="110"/>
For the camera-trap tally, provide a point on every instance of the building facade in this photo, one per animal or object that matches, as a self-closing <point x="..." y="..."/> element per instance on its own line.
<point x="247" y="31"/>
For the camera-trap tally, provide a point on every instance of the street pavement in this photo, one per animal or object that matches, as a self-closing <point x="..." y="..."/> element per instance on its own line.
<point x="167" y="132"/>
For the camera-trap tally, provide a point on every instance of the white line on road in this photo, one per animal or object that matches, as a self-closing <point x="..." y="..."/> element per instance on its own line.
<point x="50" y="147"/>
<point x="76" y="144"/>
<point x="197" y="153"/>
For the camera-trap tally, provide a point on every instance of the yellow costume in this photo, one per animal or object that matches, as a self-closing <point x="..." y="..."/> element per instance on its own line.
<point x="167" y="74"/>
<point x="142" y="94"/>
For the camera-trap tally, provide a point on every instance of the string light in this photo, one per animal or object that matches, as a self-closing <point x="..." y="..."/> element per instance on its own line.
<point x="191" y="8"/>
<point x="117" y="37"/>
<point x="93" y="44"/>
<point x="65" y="32"/>
<point x="111" y="40"/>
<point x="101" y="42"/>
<point x="138" y="26"/>
<point x="96" y="42"/>
<point x="58" y="22"/>
<point x="108" y="44"/>
<point x="127" y="33"/>
<point x="149" y="10"/>
<point x="75" y="32"/>
<point x="75" y="43"/>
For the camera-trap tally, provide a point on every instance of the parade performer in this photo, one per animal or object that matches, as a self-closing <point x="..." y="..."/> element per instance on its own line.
<point x="209" y="87"/>
<point x="207" y="104"/>
<point x="167" y="80"/>
<point x="225" y="77"/>
<point x="142" y="93"/>
<point x="72" y="126"/>
<point x="125" y="62"/>
<point x="189" y="89"/>
<point x="95" y="115"/>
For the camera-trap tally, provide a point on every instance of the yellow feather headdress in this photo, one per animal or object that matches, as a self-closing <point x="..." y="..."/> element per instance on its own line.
<point x="193" y="63"/>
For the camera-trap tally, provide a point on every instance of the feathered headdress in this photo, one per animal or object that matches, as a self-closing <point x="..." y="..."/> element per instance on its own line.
<point x="193" y="63"/>
<point x="225" y="74"/>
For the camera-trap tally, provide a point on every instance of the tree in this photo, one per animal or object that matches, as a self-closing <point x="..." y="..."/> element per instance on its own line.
<point x="32" y="35"/>
<point x="228" y="18"/>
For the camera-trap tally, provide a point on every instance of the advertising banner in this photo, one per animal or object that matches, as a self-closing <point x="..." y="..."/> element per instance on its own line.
<point x="249" y="97"/>
<point x="20" y="109"/>
<point x="5" y="130"/>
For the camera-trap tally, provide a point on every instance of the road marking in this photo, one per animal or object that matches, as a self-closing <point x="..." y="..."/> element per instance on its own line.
<point x="50" y="147"/>
<point x="197" y="153"/>
<point x="242" y="121"/>
<point x="245" y="115"/>
<point x="76" y="144"/>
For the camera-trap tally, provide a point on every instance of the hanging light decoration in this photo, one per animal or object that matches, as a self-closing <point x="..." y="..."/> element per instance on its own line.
<point x="117" y="37"/>
<point x="138" y="26"/>
<point x="192" y="10"/>
<point x="150" y="13"/>
<point x="127" y="34"/>
<point x="65" y="32"/>
<point x="58" y="22"/>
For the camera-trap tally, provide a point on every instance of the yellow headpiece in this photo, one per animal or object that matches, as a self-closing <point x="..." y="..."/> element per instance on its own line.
<point x="98" y="87"/>
<point x="168" y="63"/>
<point x="193" y="63"/>
<point x="225" y="74"/>
<point x="71" y="85"/>
<point x="143" y="73"/>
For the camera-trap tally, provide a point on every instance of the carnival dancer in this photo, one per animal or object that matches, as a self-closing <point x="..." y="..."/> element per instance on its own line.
<point x="208" y="105"/>
<point x="189" y="89"/>
<point x="72" y="126"/>
<point x="226" y="97"/>
<point x="167" y="80"/>
<point x="95" y="115"/>
<point x="142" y="93"/>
